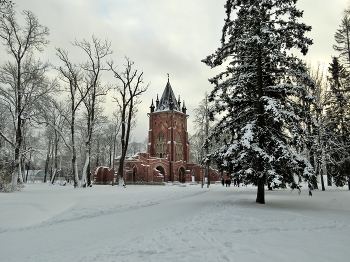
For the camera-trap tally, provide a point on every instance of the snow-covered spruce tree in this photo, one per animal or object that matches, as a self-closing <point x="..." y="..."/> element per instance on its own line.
<point x="260" y="94"/>
<point x="337" y="123"/>
<point x="342" y="37"/>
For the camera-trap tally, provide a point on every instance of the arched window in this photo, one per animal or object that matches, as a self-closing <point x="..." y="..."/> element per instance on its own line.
<point x="161" y="137"/>
<point x="161" y="145"/>
<point x="178" y="147"/>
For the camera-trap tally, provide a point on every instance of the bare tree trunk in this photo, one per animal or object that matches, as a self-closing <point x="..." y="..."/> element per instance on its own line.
<point x="113" y="156"/>
<point x="321" y="175"/>
<point x="55" y="158"/>
<point x="74" y="153"/>
<point x="18" y="142"/>
<point x="86" y="167"/>
<point x="28" y="166"/>
<point x="89" y="173"/>
<point x="47" y="161"/>
<point x="207" y="134"/>
<point x="329" y="179"/>
<point x="120" y="172"/>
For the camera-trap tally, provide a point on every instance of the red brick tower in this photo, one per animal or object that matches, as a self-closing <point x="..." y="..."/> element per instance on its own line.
<point x="168" y="137"/>
<point x="168" y="152"/>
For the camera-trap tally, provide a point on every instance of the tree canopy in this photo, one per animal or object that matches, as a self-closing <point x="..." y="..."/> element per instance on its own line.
<point x="261" y="93"/>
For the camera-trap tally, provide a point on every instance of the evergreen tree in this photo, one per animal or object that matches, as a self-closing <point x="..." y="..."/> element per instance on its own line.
<point x="260" y="93"/>
<point x="337" y="124"/>
<point x="342" y="37"/>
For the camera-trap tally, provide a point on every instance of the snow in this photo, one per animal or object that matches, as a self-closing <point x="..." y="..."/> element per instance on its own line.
<point x="161" y="223"/>
<point x="248" y="136"/>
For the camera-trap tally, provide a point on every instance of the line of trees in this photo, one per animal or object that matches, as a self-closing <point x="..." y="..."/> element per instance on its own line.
<point x="60" y="121"/>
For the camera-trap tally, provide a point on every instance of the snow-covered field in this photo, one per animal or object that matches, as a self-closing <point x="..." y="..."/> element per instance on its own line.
<point x="172" y="223"/>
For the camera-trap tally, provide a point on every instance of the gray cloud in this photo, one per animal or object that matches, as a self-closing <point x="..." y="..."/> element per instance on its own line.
<point x="163" y="37"/>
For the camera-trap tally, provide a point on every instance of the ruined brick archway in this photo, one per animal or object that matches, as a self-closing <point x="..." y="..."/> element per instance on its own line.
<point x="182" y="176"/>
<point x="161" y="170"/>
<point x="134" y="174"/>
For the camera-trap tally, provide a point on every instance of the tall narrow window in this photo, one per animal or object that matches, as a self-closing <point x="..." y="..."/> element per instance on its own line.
<point x="178" y="147"/>
<point x="161" y="145"/>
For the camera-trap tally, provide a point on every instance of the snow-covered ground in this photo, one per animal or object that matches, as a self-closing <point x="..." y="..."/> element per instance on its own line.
<point x="172" y="223"/>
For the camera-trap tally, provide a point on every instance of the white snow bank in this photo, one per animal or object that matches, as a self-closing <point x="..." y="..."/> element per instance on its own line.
<point x="155" y="223"/>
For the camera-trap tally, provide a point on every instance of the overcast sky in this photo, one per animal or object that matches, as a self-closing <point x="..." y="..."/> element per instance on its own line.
<point x="164" y="36"/>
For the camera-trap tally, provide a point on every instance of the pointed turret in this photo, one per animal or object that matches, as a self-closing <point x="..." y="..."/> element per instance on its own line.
<point x="152" y="107"/>
<point x="184" y="109"/>
<point x="157" y="101"/>
<point x="167" y="98"/>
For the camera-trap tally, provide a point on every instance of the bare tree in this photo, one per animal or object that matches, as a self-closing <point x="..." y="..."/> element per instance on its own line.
<point x="5" y="7"/>
<point x="53" y="114"/>
<point x="127" y="98"/>
<point x="316" y="124"/>
<point x="96" y="52"/>
<point x="136" y="147"/>
<point x="71" y="75"/>
<point x="109" y="133"/>
<point x="106" y="142"/>
<point x="202" y="125"/>
<point x="22" y="74"/>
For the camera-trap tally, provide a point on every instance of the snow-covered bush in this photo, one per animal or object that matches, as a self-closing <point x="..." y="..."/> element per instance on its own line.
<point x="5" y="181"/>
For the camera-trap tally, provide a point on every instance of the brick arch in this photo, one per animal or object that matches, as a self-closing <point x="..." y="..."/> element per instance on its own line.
<point x="182" y="175"/>
<point x="161" y="136"/>
<point x="159" y="167"/>
<point x="134" y="173"/>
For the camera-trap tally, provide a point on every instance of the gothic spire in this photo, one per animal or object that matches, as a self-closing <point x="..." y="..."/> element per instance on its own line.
<point x="152" y="107"/>
<point x="168" y="100"/>
<point x="184" y="109"/>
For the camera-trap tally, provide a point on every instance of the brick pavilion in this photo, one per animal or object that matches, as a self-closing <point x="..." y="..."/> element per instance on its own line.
<point x="168" y="152"/>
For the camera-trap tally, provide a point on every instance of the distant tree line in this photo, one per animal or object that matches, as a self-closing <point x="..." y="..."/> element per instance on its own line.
<point x="58" y="123"/>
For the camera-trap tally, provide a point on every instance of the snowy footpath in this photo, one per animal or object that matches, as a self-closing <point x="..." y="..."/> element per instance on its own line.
<point x="172" y="223"/>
